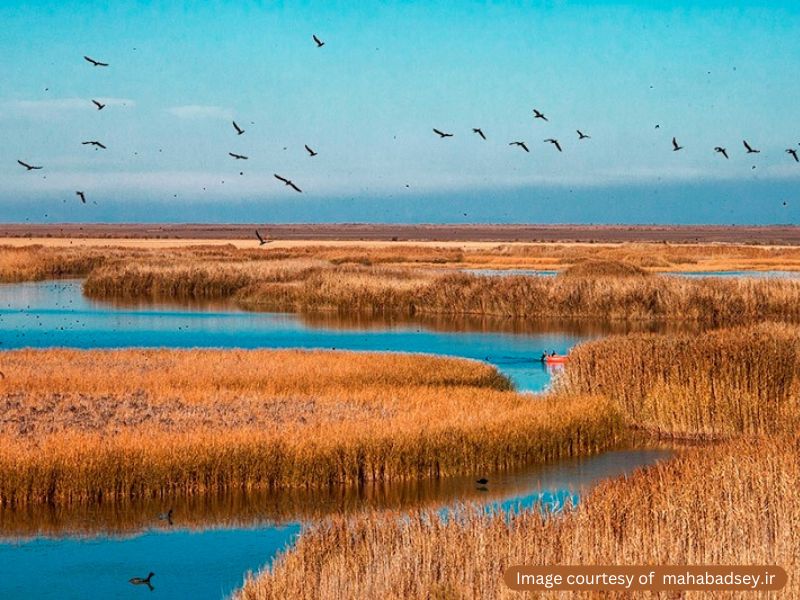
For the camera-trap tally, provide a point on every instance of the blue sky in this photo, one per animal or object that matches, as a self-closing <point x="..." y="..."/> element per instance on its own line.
<point x="711" y="75"/>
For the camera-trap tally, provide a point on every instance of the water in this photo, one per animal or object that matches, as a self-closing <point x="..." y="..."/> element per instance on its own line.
<point x="55" y="313"/>
<point x="693" y="275"/>
<point x="92" y="552"/>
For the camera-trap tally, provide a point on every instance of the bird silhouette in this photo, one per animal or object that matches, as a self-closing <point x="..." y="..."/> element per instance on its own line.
<point x="143" y="580"/>
<point x="261" y="240"/>
<point x="555" y="143"/>
<point x="482" y="481"/>
<point x="82" y="196"/>
<point x="94" y="62"/>
<point x="721" y="150"/>
<point x="237" y="156"/>
<point x="539" y="115"/>
<point x="520" y="144"/>
<point x="479" y="131"/>
<point x="27" y="166"/>
<point x="239" y="130"/>
<point x="288" y="182"/>
<point x="318" y="41"/>
<point x="99" y="105"/>
<point x="167" y="516"/>
<point x="94" y="143"/>
<point x="582" y="136"/>
<point x="442" y="134"/>
<point x="793" y="152"/>
<point x="675" y="146"/>
<point x="310" y="151"/>
<point x="750" y="149"/>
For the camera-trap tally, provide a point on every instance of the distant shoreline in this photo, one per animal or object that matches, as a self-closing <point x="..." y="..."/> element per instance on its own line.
<point x="763" y="235"/>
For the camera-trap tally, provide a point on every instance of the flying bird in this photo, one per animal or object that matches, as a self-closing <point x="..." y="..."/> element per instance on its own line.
<point x="239" y="130"/>
<point x="442" y="134"/>
<point x="310" y="151"/>
<point x="27" y="166"/>
<point x="675" y="146"/>
<point x="750" y="149"/>
<point x="721" y="150"/>
<point x="288" y="182"/>
<point x="82" y="196"/>
<point x="261" y="240"/>
<point x="520" y="144"/>
<point x="793" y="152"/>
<point x="94" y="143"/>
<point x="237" y="156"/>
<point x="582" y="136"/>
<point x="555" y="143"/>
<point x="318" y="41"/>
<point x="539" y="115"/>
<point x="94" y="62"/>
<point x="482" y="481"/>
<point x="479" y="131"/>
<point x="99" y="105"/>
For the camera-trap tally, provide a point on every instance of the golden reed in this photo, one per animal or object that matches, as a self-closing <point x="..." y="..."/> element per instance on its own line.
<point x="82" y="426"/>
<point x="737" y="503"/>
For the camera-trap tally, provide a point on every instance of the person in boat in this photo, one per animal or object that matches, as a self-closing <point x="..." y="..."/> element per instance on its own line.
<point x="543" y="358"/>
<point x="552" y="353"/>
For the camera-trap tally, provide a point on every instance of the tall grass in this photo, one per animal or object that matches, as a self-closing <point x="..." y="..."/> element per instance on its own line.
<point x="80" y="426"/>
<point x="732" y="504"/>
<point x="723" y="383"/>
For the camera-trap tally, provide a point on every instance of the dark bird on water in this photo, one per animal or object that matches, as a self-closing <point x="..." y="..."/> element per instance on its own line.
<point x="555" y="143"/>
<point x="82" y="196"/>
<point x="539" y="115"/>
<point x="520" y="144"/>
<point x="750" y="149"/>
<point x="675" y="146"/>
<point x="793" y="152"/>
<point x="479" y="131"/>
<point x="167" y="516"/>
<point x="721" y="150"/>
<point x="318" y="41"/>
<point x="99" y="105"/>
<point x="94" y="143"/>
<point x="482" y="481"/>
<point x="310" y="151"/>
<point x="261" y="240"/>
<point x="94" y="62"/>
<point x="288" y="182"/>
<point x="143" y="580"/>
<point x="27" y="166"/>
<point x="239" y="130"/>
<point x="237" y="156"/>
<point x="442" y="134"/>
<point x="582" y="136"/>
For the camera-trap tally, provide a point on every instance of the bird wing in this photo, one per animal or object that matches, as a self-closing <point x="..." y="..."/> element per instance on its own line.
<point x="283" y="179"/>
<point x="258" y="235"/>
<point x="26" y="165"/>
<point x="557" y="145"/>
<point x="90" y="60"/>
<point x="438" y="132"/>
<point x="310" y="151"/>
<point x="236" y="127"/>
<point x="294" y="187"/>
<point x="103" y="146"/>
<point x="316" y="39"/>
<point x="746" y="145"/>
<point x="524" y="147"/>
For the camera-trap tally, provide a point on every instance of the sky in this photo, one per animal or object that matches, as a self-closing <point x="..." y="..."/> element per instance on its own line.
<point x="711" y="74"/>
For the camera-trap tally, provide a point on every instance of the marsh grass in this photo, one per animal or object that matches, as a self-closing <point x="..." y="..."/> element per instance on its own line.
<point x="739" y="381"/>
<point x="87" y="426"/>
<point x="735" y="503"/>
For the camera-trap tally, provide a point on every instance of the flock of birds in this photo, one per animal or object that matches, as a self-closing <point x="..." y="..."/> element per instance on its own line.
<point x="236" y="156"/>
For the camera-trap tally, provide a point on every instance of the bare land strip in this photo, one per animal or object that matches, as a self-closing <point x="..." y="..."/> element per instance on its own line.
<point x="768" y="235"/>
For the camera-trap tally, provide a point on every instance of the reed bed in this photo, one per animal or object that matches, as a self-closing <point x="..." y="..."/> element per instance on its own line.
<point x="85" y="426"/>
<point x="731" y="504"/>
<point x="711" y="302"/>
<point x="739" y="381"/>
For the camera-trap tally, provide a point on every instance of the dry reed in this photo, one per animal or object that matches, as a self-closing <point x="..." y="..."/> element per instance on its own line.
<point x="81" y="426"/>
<point x="718" y="384"/>
<point x="732" y="504"/>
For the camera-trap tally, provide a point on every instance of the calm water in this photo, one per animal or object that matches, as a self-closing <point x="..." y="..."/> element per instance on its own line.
<point x="92" y="554"/>
<point x="47" y="314"/>
<point x="694" y="275"/>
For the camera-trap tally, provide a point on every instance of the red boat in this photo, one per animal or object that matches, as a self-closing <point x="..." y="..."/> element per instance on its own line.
<point x="557" y="359"/>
